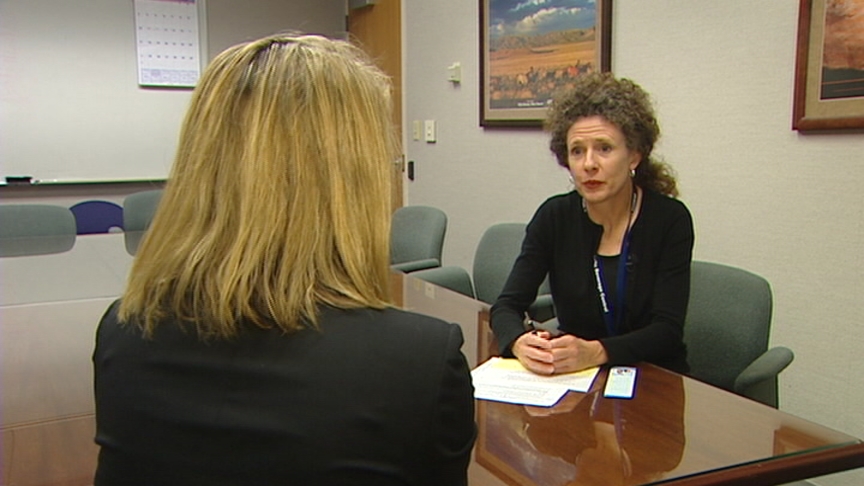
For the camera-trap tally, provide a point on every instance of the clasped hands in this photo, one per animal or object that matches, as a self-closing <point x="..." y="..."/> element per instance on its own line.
<point x="544" y="354"/>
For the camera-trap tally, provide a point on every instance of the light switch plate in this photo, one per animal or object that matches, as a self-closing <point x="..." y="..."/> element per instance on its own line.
<point x="429" y="131"/>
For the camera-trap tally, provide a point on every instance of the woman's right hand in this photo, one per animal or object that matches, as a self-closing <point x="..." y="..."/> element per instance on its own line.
<point x="534" y="351"/>
<point x="545" y="354"/>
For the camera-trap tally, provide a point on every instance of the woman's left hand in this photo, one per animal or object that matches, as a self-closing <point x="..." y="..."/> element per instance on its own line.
<point x="571" y="353"/>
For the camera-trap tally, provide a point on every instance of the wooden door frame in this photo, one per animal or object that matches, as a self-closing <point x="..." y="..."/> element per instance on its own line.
<point x="377" y="29"/>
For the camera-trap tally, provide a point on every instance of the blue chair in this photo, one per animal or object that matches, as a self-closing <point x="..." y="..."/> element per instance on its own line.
<point x="95" y="217"/>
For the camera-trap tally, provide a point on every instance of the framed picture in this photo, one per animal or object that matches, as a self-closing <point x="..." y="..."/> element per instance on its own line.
<point x="829" y="68"/>
<point x="530" y="50"/>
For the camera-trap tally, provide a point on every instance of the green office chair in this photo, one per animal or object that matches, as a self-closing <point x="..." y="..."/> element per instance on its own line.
<point x="417" y="238"/>
<point x="493" y="259"/>
<point x="138" y="211"/>
<point x="36" y="229"/>
<point x="450" y="277"/>
<point x="726" y="331"/>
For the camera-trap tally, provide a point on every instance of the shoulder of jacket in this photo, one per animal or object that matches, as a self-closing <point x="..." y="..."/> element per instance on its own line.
<point x="558" y="200"/>
<point x="403" y="317"/>
<point x="559" y="204"/>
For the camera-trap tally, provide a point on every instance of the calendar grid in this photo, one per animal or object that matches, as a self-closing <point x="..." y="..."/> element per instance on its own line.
<point x="167" y="42"/>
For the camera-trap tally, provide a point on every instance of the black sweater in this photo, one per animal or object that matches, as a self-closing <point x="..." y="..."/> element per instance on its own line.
<point x="561" y="240"/>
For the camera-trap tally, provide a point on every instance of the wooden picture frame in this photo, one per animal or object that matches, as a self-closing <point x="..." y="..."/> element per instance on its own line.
<point x="829" y="85"/>
<point x="535" y="50"/>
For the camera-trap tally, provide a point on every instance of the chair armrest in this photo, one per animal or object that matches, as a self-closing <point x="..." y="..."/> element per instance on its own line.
<point x="415" y="265"/>
<point x="451" y="277"/>
<point x="542" y="309"/>
<point x="550" y="326"/>
<point x="765" y="367"/>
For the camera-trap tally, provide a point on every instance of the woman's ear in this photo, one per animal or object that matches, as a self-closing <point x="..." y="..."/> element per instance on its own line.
<point x="635" y="159"/>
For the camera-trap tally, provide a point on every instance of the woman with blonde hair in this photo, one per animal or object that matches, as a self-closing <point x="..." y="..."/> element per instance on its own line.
<point x="255" y="342"/>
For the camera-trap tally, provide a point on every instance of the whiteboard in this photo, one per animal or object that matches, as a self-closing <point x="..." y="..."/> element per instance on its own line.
<point x="71" y="108"/>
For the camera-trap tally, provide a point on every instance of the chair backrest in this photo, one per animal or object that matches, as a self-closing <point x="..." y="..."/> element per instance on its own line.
<point x="35" y="229"/>
<point x="494" y="257"/>
<point x="95" y="217"/>
<point x="417" y="234"/>
<point x="138" y="211"/>
<point x="728" y="322"/>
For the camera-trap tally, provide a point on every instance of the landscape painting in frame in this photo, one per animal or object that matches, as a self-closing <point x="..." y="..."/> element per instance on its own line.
<point x="531" y="49"/>
<point x="829" y="77"/>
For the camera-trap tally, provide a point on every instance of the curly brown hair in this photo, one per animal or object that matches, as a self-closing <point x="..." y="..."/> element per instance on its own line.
<point x="622" y="103"/>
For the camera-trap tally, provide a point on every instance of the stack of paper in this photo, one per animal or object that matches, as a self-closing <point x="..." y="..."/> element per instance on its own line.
<point x="506" y="380"/>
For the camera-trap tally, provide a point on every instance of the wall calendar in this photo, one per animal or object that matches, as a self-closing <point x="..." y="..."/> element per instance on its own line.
<point x="168" y="48"/>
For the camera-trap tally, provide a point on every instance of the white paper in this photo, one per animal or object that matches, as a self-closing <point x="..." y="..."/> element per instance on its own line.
<point x="506" y="380"/>
<point x="539" y="396"/>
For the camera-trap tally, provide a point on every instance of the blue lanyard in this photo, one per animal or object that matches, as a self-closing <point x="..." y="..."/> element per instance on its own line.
<point x="613" y="315"/>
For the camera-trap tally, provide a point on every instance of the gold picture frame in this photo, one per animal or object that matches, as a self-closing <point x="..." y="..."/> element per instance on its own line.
<point x="829" y="67"/>
<point x="528" y="50"/>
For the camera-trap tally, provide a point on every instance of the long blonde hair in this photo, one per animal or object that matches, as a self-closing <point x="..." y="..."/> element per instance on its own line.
<point x="279" y="198"/>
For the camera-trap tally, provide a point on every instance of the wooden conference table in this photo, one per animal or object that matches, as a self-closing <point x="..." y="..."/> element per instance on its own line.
<point x="674" y="431"/>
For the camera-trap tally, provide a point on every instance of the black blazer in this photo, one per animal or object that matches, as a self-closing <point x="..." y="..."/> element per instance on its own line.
<point x="373" y="398"/>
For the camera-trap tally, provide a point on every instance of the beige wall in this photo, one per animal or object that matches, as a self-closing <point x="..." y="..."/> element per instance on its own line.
<point x="70" y="104"/>
<point x="785" y="205"/>
<point x="230" y="22"/>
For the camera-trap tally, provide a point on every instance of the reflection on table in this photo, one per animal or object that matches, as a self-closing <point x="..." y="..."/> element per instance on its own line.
<point x="585" y="438"/>
<point x="675" y="430"/>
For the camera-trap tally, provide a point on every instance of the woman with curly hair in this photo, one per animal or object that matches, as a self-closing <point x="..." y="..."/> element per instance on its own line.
<point x="617" y="250"/>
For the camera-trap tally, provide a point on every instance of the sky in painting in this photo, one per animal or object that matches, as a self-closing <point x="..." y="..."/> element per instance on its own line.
<point x="537" y="17"/>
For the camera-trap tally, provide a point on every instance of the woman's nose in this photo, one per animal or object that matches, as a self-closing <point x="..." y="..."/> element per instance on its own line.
<point x="589" y="162"/>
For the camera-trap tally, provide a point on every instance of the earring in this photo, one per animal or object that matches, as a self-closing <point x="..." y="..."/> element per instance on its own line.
<point x="570" y="178"/>
<point x="632" y="173"/>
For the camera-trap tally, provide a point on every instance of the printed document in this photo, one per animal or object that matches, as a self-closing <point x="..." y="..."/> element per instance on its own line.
<point x="506" y="380"/>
